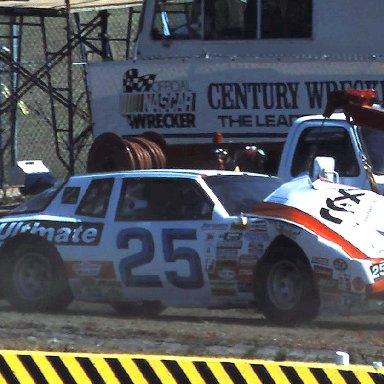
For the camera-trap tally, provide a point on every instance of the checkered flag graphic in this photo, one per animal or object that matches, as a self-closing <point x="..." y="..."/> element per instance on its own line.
<point x="132" y="82"/>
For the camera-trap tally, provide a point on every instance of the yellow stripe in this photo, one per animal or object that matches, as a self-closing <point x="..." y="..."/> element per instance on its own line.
<point x="162" y="372"/>
<point x="18" y="369"/>
<point x="219" y="372"/>
<point x="132" y="370"/>
<point x="363" y="377"/>
<point x="248" y="373"/>
<point x="277" y="374"/>
<point x="2" y="380"/>
<point x="46" y="369"/>
<point x="306" y="375"/>
<point x="334" y="376"/>
<point x="104" y="370"/>
<point x="75" y="369"/>
<point x="191" y="372"/>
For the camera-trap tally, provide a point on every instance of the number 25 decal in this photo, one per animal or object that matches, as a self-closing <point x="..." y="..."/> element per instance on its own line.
<point x="378" y="271"/>
<point x="171" y="255"/>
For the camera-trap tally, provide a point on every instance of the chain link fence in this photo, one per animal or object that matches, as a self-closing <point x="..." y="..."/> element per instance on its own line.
<point x="50" y="119"/>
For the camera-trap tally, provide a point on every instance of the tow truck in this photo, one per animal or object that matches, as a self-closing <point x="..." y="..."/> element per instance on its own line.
<point x="206" y="89"/>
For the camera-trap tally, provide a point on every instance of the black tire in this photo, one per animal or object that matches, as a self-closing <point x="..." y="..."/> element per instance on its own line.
<point x="34" y="278"/>
<point x="285" y="290"/>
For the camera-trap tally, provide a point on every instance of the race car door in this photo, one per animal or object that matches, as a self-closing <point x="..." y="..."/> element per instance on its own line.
<point x="159" y="240"/>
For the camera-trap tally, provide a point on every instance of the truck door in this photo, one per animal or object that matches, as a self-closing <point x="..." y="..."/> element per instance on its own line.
<point x="329" y="140"/>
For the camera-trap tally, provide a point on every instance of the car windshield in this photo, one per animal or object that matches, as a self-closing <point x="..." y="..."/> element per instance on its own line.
<point x="241" y="193"/>
<point x="373" y="144"/>
<point x="39" y="202"/>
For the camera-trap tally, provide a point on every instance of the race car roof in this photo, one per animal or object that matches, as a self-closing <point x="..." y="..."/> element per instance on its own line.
<point x="61" y="6"/>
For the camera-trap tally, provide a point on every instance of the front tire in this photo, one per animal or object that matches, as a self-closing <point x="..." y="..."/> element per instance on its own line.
<point x="285" y="289"/>
<point x="34" y="279"/>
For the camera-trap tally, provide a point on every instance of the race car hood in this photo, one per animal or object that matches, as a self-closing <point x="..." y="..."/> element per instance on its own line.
<point x="323" y="207"/>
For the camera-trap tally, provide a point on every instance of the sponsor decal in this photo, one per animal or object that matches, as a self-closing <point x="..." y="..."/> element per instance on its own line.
<point x="378" y="271"/>
<point x="320" y="260"/>
<point x="60" y="233"/>
<point x="224" y="270"/>
<point x="245" y="275"/>
<point x="246" y="267"/>
<point x="223" y="253"/>
<point x="214" y="227"/>
<point x="100" y="269"/>
<point x="322" y="272"/>
<point x="340" y="264"/>
<point x="258" y="226"/>
<point x="256" y="248"/>
<point x="341" y="205"/>
<point x="150" y="104"/>
<point x="229" y="244"/>
<point x="247" y="261"/>
<point x="226" y="274"/>
<point x="210" y="265"/>
<point x="231" y="236"/>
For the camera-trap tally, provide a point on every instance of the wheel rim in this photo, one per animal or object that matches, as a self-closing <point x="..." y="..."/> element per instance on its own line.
<point x="285" y="285"/>
<point x="33" y="276"/>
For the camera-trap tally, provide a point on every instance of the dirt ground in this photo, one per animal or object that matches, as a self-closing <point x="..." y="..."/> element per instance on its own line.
<point x="202" y="332"/>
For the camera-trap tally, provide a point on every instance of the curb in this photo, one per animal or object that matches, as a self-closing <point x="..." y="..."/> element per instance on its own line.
<point x="51" y="367"/>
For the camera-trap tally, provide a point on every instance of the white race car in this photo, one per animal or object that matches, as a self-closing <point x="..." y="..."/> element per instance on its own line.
<point x="155" y="238"/>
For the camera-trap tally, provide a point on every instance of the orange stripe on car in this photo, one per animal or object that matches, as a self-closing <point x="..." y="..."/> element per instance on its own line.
<point x="303" y="219"/>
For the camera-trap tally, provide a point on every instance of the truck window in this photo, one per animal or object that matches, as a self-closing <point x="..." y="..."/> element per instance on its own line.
<point x="329" y="141"/>
<point x="232" y="19"/>
<point x="373" y="143"/>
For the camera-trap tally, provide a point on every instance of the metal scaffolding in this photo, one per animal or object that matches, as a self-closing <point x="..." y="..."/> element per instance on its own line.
<point x="83" y="36"/>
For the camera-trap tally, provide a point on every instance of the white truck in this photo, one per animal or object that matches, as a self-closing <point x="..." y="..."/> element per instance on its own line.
<point x="347" y="147"/>
<point x="210" y="80"/>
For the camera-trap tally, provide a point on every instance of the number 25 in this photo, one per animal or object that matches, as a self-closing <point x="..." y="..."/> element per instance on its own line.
<point x="195" y="279"/>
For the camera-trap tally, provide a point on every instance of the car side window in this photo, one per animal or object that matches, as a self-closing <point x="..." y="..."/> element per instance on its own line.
<point x="162" y="199"/>
<point x="70" y="195"/>
<point x="95" y="201"/>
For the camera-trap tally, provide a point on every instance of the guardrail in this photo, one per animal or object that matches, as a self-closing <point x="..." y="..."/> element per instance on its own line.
<point x="51" y="367"/>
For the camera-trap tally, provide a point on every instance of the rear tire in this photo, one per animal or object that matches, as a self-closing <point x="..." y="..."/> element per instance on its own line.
<point x="285" y="290"/>
<point x="34" y="278"/>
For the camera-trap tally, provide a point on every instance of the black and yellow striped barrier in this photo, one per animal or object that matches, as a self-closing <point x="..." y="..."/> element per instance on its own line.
<point x="50" y="367"/>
